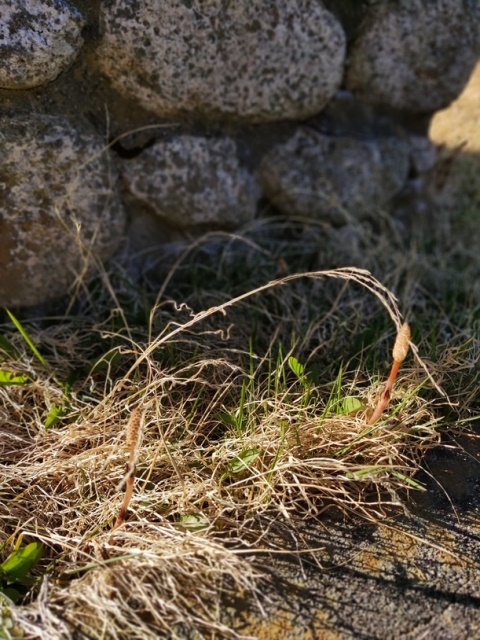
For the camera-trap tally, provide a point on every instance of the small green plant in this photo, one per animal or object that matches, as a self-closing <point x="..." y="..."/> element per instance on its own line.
<point x="299" y="370"/>
<point x="15" y="578"/>
<point x="8" y="628"/>
<point x="243" y="461"/>
<point x="193" y="522"/>
<point x="7" y="378"/>
<point x="231" y="436"/>
<point x="56" y="410"/>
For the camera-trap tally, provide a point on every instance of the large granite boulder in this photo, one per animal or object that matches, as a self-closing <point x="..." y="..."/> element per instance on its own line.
<point x="333" y="177"/>
<point x="38" y="40"/>
<point x="258" y="61"/>
<point x="193" y="183"/>
<point x="415" y="55"/>
<point x="60" y="210"/>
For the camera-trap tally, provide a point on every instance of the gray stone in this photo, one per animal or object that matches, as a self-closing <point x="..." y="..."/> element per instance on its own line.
<point x="193" y="182"/>
<point x="259" y="61"/>
<point x="423" y="153"/>
<point x="38" y="40"/>
<point x="317" y="176"/>
<point x="414" y="55"/>
<point x="59" y="206"/>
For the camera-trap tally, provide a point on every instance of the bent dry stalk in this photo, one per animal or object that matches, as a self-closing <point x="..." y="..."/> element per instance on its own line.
<point x="400" y="350"/>
<point x="133" y="438"/>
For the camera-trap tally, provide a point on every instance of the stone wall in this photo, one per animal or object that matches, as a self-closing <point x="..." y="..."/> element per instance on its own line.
<point x="156" y="120"/>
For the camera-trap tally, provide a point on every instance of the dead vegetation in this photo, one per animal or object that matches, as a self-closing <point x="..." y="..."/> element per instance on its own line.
<point x="252" y="403"/>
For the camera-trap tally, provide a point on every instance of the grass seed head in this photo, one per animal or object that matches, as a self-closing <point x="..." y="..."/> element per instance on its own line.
<point x="134" y="431"/>
<point x="402" y="343"/>
<point x="236" y="440"/>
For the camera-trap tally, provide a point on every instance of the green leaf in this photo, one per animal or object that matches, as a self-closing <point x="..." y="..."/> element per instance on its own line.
<point x="194" y="522"/>
<point x="243" y="460"/>
<point x="297" y="367"/>
<point x="56" y="412"/>
<point x="227" y="418"/>
<point x="350" y="405"/>
<point x="9" y="378"/>
<point x="13" y="595"/>
<point x="21" y="561"/>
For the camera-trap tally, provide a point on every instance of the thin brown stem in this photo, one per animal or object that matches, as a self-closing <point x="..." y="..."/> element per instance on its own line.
<point x="386" y="393"/>
<point x="400" y="350"/>
<point x="133" y="438"/>
<point x="129" y="482"/>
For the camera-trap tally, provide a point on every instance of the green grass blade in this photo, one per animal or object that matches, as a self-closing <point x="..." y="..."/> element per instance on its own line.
<point x="407" y="398"/>
<point x="334" y="397"/>
<point x="96" y="565"/>
<point x="408" y="480"/>
<point x="27" y="339"/>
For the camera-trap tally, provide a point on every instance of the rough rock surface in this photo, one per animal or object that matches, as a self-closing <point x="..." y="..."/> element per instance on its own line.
<point x="38" y="40"/>
<point x="423" y="154"/>
<point x="259" y="60"/>
<point x="59" y="206"/>
<point x="414" y="55"/>
<point x="314" y="175"/>
<point x="193" y="182"/>
<point x="447" y="174"/>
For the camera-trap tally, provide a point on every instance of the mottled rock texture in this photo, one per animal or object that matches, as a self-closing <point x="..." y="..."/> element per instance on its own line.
<point x="59" y="206"/>
<point x="314" y="175"/>
<point x="38" y="40"/>
<point x="259" y="61"/>
<point x="414" y="54"/>
<point x="187" y="88"/>
<point x="193" y="183"/>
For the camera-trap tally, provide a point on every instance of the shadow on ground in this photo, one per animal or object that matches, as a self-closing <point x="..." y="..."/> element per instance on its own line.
<point x="413" y="575"/>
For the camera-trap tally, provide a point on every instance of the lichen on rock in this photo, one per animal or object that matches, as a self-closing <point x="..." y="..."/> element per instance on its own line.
<point x="60" y="209"/>
<point x="193" y="182"/>
<point x="38" y="40"/>
<point x="414" y="55"/>
<point x="320" y="176"/>
<point x="257" y="61"/>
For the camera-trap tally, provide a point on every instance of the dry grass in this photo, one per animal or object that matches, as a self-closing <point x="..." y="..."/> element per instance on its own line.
<point x="258" y="405"/>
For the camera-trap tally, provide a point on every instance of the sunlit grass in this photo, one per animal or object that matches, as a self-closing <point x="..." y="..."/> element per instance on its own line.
<point x="255" y="402"/>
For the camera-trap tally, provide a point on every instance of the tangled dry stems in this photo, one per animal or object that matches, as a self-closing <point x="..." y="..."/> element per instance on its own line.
<point x="211" y="463"/>
<point x="155" y="574"/>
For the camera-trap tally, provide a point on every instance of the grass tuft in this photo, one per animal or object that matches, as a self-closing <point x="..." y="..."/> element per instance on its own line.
<point x="226" y="408"/>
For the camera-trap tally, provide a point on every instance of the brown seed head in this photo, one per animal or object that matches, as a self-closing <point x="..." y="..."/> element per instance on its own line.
<point x="133" y="434"/>
<point x="401" y="346"/>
